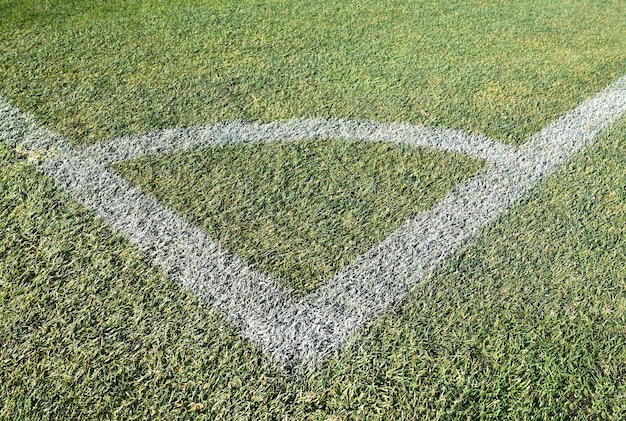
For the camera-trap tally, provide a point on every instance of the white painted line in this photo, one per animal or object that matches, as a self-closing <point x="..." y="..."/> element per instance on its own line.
<point x="125" y="148"/>
<point x="298" y="332"/>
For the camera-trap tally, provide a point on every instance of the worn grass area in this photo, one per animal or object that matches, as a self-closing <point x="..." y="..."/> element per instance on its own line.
<point x="527" y="322"/>
<point x="300" y="210"/>
<point x="93" y="69"/>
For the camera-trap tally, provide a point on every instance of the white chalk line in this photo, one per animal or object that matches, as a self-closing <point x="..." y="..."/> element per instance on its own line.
<point x="298" y="332"/>
<point x="158" y="142"/>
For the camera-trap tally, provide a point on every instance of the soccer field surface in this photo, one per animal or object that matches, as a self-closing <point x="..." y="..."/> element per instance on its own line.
<point x="269" y="210"/>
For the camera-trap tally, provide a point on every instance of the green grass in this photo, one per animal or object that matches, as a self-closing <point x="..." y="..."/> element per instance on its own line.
<point x="300" y="210"/>
<point x="527" y="322"/>
<point x="94" y="69"/>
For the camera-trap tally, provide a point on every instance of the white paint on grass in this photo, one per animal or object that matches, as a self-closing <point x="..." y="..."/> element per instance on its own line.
<point x="126" y="148"/>
<point x="299" y="331"/>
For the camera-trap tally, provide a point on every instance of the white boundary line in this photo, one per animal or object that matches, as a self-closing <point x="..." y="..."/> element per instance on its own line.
<point x="298" y="332"/>
<point x="125" y="148"/>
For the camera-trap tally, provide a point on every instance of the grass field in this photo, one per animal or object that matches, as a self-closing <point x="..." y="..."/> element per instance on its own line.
<point x="91" y="70"/>
<point x="524" y="323"/>
<point x="301" y="211"/>
<point x="528" y="321"/>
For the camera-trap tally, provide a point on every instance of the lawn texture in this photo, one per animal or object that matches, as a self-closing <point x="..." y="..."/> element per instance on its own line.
<point x="526" y="322"/>
<point x="91" y="70"/>
<point x="301" y="210"/>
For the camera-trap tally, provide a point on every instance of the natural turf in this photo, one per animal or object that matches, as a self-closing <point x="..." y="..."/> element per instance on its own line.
<point x="527" y="322"/>
<point x="91" y="70"/>
<point x="300" y="210"/>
